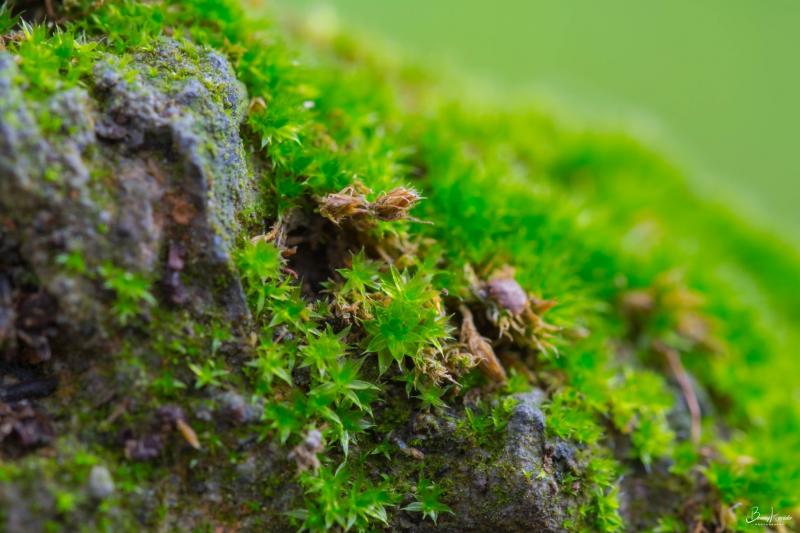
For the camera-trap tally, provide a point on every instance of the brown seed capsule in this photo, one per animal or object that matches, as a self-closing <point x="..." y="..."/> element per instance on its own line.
<point x="508" y="294"/>
<point x="699" y="330"/>
<point x="257" y="105"/>
<point x="395" y="204"/>
<point x="638" y="302"/>
<point x="480" y="347"/>
<point x="337" y="207"/>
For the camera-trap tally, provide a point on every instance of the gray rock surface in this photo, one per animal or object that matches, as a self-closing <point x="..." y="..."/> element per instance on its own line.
<point x="510" y="486"/>
<point x="101" y="485"/>
<point x="146" y="169"/>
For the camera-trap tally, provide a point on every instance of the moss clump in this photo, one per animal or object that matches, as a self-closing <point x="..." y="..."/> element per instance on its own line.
<point x="388" y="211"/>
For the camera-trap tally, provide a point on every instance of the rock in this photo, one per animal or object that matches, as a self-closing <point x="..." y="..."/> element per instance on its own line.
<point x="23" y="426"/>
<point x="646" y="495"/>
<point x="500" y="489"/>
<point x="101" y="485"/>
<point x="25" y="507"/>
<point x="145" y="448"/>
<point x="247" y="471"/>
<point x="149" y="158"/>
<point x="233" y="408"/>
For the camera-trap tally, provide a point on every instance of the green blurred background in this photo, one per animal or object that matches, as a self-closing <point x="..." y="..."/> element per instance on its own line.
<point x="715" y="83"/>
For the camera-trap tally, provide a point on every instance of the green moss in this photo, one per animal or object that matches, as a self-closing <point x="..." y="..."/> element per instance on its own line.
<point x="73" y="262"/>
<point x="132" y="292"/>
<point x="585" y="218"/>
<point x="427" y="500"/>
<point x="484" y="424"/>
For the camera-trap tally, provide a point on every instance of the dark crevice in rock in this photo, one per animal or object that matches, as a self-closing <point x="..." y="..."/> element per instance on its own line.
<point x="28" y="332"/>
<point x="317" y="248"/>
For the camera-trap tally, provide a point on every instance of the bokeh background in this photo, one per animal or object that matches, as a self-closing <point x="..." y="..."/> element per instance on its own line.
<point x="714" y="83"/>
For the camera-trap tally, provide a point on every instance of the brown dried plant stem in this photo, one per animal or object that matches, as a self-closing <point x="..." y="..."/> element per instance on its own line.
<point x="676" y="366"/>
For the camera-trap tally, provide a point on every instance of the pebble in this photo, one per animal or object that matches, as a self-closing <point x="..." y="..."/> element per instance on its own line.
<point x="101" y="486"/>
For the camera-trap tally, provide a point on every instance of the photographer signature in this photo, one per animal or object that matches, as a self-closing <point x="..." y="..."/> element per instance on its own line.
<point x="755" y="517"/>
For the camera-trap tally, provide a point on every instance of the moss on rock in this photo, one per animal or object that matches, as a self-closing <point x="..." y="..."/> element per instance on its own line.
<point x="218" y="285"/>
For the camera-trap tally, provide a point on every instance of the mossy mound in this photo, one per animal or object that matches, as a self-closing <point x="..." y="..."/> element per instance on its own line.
<point x="262" y="278"/>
